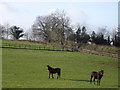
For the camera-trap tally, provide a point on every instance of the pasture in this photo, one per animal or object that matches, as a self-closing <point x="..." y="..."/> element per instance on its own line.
<point x="23" y="68"/>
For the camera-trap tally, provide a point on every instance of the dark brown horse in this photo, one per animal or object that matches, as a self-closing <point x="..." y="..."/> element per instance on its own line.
<point x="97" y="75"/>
<point x="54" y="71"/>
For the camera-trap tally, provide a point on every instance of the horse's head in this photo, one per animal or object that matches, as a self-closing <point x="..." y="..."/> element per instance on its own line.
<point x="49" y="67"/>
<point x="101" y="72"/>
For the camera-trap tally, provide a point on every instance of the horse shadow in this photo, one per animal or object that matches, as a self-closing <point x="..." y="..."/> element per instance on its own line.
<point x="78" y="80"/>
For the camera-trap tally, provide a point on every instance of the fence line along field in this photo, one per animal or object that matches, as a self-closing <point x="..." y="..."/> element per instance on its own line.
<point x="35" y="45"/>
<point x="29" y="45"/>
<point x="25" y="68"/>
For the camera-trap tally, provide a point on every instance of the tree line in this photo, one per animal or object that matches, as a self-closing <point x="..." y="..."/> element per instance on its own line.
<point x="57" y="28"/>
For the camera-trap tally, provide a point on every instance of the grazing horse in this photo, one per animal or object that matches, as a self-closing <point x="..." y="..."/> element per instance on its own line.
<point x="97" y="75"/>
<point x="53" y="71"/>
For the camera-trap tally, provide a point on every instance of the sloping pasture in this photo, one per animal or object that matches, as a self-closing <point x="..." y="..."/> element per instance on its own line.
<point x="24" y="68"/>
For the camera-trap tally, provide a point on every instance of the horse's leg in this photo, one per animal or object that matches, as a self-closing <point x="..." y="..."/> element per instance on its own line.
<point x="94" y="80"/>
<point x="58" y="75"/>
<point x="91" y="79"/>
<point x="49" y="75"/>
<point x="99" y="82"/>
<point x="52" y="76"/>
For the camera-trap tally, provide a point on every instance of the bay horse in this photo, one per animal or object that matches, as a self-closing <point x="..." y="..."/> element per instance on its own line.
<point x="54" y="71"/>
<point x="97" y="75"/>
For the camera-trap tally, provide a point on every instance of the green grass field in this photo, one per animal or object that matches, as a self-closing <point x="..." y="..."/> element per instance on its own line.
<point x="27" y="69"/>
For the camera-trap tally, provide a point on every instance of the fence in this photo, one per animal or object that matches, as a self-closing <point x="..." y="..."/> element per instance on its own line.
<point x="31" y="47"/>
<point x="113" y="55"/>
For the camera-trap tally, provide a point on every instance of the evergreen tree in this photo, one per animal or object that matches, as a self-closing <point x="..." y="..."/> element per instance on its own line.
<point x="16" y="32"/>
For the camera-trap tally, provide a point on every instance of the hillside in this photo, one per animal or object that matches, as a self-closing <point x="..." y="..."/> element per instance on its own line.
<point x="110" y="51"/>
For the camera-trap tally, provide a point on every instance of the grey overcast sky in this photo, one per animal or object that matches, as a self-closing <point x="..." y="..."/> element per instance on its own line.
<point x="93" y="14"/>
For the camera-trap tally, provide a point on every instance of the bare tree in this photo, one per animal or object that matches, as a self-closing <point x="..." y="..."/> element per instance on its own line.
<point x="2" y="32"/>
<point x="63" y="26"/>
<point x="54" y="27"/>
<point x="7" y="30"/>
<point x="103" y="31"/>
<point x="41" y="28"/>
<point x="116" y="37"/>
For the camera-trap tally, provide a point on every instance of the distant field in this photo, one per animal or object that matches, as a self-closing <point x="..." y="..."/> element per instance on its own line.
<point x="31" y="45"/>
<point x="27" y="69"/>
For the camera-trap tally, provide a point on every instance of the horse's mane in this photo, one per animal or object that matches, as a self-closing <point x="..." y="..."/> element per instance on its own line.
<point x="49" y="67"/>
